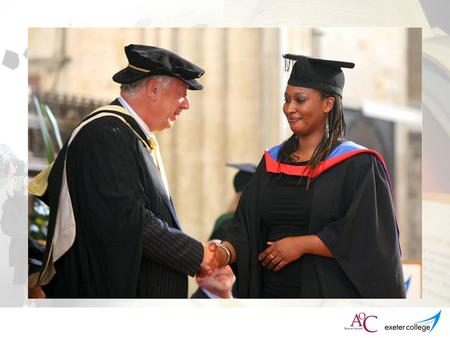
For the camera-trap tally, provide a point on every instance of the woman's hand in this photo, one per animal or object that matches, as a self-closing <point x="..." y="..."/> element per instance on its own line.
<point x="282" y="252"/>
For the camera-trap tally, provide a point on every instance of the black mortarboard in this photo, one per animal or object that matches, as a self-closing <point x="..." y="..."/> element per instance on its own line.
<point x="243" y="176"/>
<point x="320" y="74"/>
<point x="148" y="61"/>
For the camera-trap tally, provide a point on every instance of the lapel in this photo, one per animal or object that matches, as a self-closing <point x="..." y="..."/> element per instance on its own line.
<point x="150" y="164"/>
<point x="157" y="182"/>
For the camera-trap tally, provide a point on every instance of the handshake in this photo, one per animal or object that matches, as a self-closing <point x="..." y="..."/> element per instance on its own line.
<point x="215" y="256"/>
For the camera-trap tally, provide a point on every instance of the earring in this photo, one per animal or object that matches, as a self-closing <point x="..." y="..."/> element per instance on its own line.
<point x="327" y="127"/>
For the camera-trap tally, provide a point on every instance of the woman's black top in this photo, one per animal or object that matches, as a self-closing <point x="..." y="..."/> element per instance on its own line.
<point x="285" y="212"/>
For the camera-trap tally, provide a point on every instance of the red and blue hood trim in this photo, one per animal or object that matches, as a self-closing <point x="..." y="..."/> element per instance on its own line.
<point x="339" y="154"/>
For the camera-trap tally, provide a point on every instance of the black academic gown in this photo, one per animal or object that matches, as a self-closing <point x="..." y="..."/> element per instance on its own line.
<point x="351" y="213"/>
<point x="128" y="239"/>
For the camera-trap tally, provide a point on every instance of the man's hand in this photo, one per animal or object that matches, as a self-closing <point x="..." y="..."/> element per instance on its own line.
<point x="209" y="263"/>
<point x="221" y="254"/>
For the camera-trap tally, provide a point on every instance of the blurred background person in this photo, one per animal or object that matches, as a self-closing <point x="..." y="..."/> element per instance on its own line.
<point x="13" y="219"/>
<point x="240" y="182"/>
<point x="219" y="284"/>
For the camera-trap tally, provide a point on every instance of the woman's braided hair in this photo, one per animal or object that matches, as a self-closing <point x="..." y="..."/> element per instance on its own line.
<point x="337" y="129"/>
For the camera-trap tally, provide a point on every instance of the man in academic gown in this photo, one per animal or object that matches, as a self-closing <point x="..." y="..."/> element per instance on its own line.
<point x="113" y="231"/>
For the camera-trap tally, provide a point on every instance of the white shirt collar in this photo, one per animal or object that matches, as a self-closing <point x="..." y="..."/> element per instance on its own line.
<point x="138" y="119"/>
<point x="212" y="295"/>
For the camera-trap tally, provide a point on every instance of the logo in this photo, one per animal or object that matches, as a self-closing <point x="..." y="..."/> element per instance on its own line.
<point x="361" y="321"/>
<point x="426" y="325"/>
<point x="407" y="283"/>
<point x="432" y="320"/>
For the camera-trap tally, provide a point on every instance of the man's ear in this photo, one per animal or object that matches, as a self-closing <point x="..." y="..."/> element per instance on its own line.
<point x="153" y="89"/>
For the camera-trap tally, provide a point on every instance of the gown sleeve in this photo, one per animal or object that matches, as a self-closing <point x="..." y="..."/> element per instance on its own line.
<point x="170" y="246"/>
<point x="244" y="233"/>
<point x="365" y="241"/>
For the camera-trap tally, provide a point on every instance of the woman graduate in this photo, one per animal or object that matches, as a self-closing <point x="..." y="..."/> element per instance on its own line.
<point x="317" y="219"/>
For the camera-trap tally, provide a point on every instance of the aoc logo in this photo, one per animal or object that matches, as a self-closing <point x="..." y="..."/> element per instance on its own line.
<point x="424" y="326"/>
<point x="361" y="321"/>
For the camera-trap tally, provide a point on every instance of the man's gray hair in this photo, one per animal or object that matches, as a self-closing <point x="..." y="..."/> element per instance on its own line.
<point x="134" y="87"/>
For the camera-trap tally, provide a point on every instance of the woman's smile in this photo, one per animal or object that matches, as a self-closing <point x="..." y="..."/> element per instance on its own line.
<point x="292" y="119"/>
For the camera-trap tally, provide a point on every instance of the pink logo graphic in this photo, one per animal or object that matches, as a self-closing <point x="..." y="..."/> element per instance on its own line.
<point x="362" y="321"/>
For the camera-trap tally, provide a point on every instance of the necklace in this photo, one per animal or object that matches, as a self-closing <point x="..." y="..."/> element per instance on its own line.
<point x="297" y="157"/>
